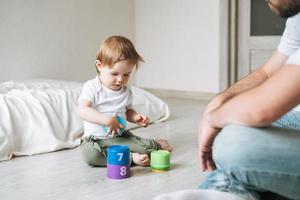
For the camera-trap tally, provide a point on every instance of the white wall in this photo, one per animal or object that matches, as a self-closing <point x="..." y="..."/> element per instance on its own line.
<point x="58" y="39"/>
<point x="180" y="42"/>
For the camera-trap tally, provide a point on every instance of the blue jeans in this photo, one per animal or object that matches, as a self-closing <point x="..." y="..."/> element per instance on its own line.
<point x="251" y="161"/>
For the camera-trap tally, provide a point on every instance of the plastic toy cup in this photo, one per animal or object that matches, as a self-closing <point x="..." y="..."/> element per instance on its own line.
<point x="118" y="171"/>
<point x="160" y="160"/>
<point x="118" y="155"/>
<point x="121" y="121"/>
<point x="118" y="162"/>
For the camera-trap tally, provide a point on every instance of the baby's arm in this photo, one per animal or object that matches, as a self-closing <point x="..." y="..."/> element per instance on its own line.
<point x="134" y="117"/>
<point x="130" y="115"/>
<point x="87" y="113"/>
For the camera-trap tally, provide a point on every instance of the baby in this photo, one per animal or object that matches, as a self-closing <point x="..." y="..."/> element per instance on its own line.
<point x="106" y="101"/>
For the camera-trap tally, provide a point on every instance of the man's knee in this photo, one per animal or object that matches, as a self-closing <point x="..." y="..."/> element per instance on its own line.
<point x="233" y="147"/>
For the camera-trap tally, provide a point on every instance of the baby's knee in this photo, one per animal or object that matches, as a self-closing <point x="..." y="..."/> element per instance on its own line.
<point x="92" y="156"/>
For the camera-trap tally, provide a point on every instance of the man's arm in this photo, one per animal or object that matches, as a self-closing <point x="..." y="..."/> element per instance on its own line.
<point x="250" y="81"/>
<point x="262" y="105"/>
<point x="238" y="99"/>
<point x="256" y="77"/>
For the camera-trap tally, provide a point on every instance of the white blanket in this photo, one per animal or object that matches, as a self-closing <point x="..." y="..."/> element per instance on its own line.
<point x="39" y="116"/>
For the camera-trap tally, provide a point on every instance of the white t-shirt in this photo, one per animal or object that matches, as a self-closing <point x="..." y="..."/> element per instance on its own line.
<point x="106" y="101"/>
<point x="290" y="43"/>
<point x="290" y="40"/>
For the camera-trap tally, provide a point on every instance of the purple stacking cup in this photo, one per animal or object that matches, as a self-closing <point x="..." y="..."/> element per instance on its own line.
<point x="118" y="162"/>
<point x="118" y="171"/>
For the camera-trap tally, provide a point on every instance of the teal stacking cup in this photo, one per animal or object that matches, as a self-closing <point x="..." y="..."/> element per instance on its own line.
<point x="160" y="160"/>
<point x="121" y="121"/>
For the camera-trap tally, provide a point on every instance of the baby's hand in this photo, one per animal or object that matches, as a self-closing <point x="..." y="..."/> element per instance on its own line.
<point x="141" y="120"/>
<point x="113" y="126"/>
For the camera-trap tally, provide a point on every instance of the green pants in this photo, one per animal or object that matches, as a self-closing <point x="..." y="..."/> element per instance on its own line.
<point x="93" y="149"/>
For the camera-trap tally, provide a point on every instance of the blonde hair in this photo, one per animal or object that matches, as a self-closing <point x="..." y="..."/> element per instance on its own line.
<point x="115" y="49"/>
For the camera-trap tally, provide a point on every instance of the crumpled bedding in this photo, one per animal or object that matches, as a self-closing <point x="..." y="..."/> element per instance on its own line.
<point x="39" y="116"/>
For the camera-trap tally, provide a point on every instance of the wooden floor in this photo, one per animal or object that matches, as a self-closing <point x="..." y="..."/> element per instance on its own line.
<point x="63" y="174"/>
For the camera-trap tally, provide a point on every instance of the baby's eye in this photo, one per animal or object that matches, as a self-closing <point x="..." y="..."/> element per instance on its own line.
<point x="126" y="75"/>
<point x="114" y="74"/>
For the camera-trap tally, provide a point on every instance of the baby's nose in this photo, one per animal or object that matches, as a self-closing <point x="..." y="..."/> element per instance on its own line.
<point x="120" y="78"/>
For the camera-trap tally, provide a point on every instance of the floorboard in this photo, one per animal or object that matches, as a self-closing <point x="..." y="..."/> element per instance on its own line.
<point x="63" y="174"/>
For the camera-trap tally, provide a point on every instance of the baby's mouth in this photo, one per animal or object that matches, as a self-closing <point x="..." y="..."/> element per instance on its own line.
<point x="117" y="86"/>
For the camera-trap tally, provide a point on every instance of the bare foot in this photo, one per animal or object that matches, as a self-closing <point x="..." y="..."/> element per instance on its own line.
<point x="164" y="144"/>
<point x="140" y="159"/>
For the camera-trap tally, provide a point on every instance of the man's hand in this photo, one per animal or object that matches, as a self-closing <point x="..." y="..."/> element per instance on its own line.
<point x="141" y="120"/>
<point x="207" y="134"/>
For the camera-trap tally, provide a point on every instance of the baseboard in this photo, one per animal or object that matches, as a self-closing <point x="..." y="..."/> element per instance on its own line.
<point x="164" y="93"/>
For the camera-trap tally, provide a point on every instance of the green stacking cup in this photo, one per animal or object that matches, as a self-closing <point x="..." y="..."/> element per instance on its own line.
<point x="160" y="160"/>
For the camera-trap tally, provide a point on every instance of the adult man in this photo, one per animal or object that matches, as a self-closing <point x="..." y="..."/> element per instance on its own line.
<point x="245" y="159"/>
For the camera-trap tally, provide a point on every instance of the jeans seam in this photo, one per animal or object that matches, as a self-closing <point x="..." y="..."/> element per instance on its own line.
<point x="289" y="125"/>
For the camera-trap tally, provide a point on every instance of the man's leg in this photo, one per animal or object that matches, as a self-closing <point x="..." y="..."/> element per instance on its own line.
<point x="254" y="160"/>
<point x="291" y="120"/>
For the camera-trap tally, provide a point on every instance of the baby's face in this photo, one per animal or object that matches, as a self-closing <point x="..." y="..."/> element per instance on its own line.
<point x="117" y="76"/>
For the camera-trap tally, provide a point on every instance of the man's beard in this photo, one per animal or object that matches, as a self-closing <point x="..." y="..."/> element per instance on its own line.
<point x="289" y="10"/>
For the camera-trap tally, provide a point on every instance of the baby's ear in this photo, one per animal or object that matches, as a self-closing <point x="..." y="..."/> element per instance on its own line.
<point x="98" y="65"/>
